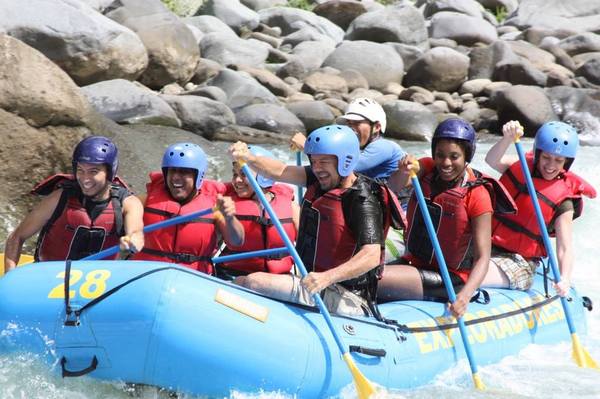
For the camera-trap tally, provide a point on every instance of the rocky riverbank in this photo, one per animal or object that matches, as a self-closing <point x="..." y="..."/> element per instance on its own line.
<point x="259" y="71"/>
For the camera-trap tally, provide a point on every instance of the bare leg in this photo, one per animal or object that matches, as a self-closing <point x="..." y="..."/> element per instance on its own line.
<point x="495" y="278"/>
<point x="279" y="286"/>
<point x="400" y="282"/>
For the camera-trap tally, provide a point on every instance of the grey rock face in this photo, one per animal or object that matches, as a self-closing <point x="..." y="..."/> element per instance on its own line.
<point x="241" y="89"/>
<point x="270" y="117"/>
<point x="440" y="68"/>
<point x="200" y="115"/>
<point x="462" y="28"/>
<point x="378" y="63"/>
<point x="36" y="89"/>
<point x="87" y="45"/>
<point x="402" y="23"/>
<point x="126" y="102"/>
<point x="172" y="48"/>
<point x="409" y="121"/>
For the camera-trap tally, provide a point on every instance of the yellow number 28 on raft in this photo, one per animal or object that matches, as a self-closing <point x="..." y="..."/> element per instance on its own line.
<point x="92" y="287"/>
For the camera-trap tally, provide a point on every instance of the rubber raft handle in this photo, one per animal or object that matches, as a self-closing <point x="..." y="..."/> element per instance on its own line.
<point x="78" y="373"/>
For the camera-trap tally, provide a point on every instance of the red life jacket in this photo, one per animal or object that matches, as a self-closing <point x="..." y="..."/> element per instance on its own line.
<point x="190" y="244"/>
<point x="70" y="233"/>
<point x="520" y="233"/>
<point x="260" y="232"/>
<point x="448" y="211"/>
<point x="325" y="240"/>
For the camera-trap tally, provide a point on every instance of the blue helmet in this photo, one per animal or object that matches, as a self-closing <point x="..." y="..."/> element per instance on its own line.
<point x="456" y="129"/>
<point x="557" y="138"/>
<point x="256" y="150"/>
<point x="97" y="150"/>
<point x="186" y="155"/>
<point x="337" y="140"/>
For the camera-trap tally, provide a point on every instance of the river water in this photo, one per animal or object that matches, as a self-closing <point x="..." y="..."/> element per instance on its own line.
<point x="536" y="372"/>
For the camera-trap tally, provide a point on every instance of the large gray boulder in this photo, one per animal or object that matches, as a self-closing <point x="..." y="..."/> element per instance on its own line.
<point x="483" y="60"/>
<point x="209" y="24"/>
<point x="200" y="115"/>
<point x="87" y="45"/>
<point x="461" y="28"/>
<point x="441" y="69"/>
<point x="590" y="70"/>
<point x="291" y="20"/>
<point x="241" y="89"/>
<point x="407" y="120"/>
<point x="35" y="88"/>
<point x="270" y="117"/>
<point x="402" y="23"/>
<point x="340" y="12"/>
<point x="576" y="15"/>
<point x="127" y="102"/>
<point x="171" y="46"/>
<point x="313" y="114"/>
<point x="378" y="63"/>
<point x="527" y="104"/>
<point x="468" y="7"/>
<point x="582" y="43"/>
<point x="305" y="58"/>
<point x="233" y="13"/>
<point x="228" y="50"/>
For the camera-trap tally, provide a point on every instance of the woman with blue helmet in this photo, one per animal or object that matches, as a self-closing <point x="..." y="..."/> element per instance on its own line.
<point x="259" y="230"/>
<point x="342" y="224"/>
<point x="517" y="241"/>
<point x="180" y="188"/>
<point x="461" y="201"/>
<point x="82" y="213"/>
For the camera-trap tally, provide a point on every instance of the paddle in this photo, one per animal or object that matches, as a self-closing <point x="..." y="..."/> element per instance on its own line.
<point x="363" y="386"/>
<point x="581" y="356"/>
<point x="299" y="187"/>
<point x="247" y="255"/>
<point x="446" y="277"/>
<point x="150" y="228"/>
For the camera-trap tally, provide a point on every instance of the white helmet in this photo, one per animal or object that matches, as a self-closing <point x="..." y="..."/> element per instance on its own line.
<point x="365" y="108"/>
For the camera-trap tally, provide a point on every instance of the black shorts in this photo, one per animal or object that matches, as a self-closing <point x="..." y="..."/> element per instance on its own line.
<point x="433" y="285"/>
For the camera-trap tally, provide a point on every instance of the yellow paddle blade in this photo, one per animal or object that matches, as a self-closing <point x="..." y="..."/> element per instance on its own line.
<point x="581" y="356"/>
<point x="22" y="261"/>
<point x="478" y="382"/>
<point x="364" y="387"/>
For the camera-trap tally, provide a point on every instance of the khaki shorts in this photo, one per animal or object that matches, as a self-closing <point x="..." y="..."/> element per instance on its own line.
<point x="337" y="299"/>
<point x="519" y="271"/>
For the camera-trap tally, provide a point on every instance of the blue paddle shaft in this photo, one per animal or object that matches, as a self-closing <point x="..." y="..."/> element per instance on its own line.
<point x="542" y="225"/>
<point x="253" y="254"/>
<point x="294" y="254"/>
<point x="443" y="269"/>
<point x="150" y="228"/>
<point x="300" y="194"/>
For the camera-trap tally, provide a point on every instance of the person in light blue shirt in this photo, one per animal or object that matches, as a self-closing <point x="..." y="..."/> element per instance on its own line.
<point x="378" y="157"/>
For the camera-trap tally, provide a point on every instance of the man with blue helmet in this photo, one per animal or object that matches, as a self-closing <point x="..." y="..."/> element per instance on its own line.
<point x="259" y="230"/>
<point x="378" y="156"/>
<point x="82" y="213"/>
<point x="343" y="221"/>
<point x="518" y="245"/>
<point x="180" y="189"/>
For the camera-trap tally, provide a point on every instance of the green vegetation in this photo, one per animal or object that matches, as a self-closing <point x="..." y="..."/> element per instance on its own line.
<point x="500" y="13"/>
<point x="171" y="5"/>
<point x="301" y="4"/>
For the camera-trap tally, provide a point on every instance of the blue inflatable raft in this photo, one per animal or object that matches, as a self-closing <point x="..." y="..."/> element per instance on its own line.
<point x="163" y="325"/>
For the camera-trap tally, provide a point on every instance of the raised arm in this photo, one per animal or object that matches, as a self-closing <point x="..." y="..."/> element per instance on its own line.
<point x="401" y="177"/>
<point x="32" y="223"/>
<point x="268" y="167"/>
<point x="133" y="216"/>
<point x="496" y="156"/>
